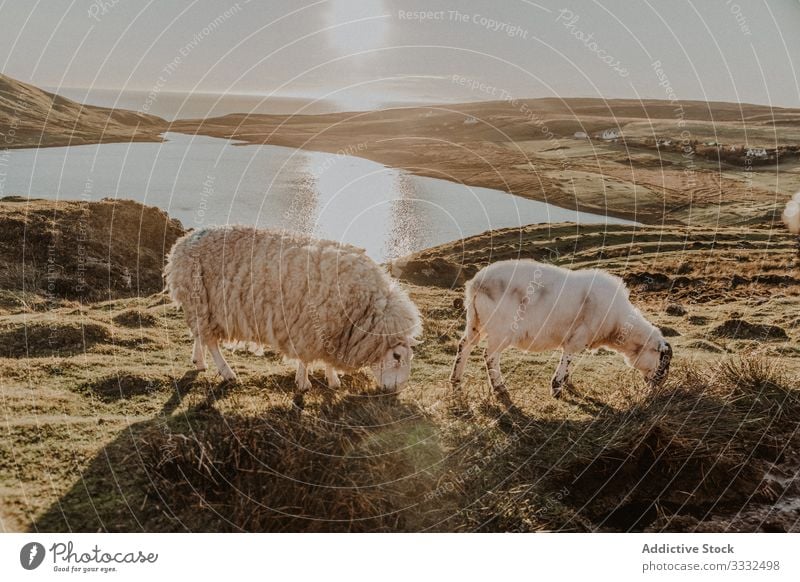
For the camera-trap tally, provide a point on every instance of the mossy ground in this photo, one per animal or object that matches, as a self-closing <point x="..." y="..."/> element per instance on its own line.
<point x="112" y="431"/>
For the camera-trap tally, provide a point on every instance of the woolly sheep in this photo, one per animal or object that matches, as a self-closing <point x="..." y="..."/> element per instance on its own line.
<point x="791" y="214"/>
<point x="313" y="300"/>
<point x="537" y="307"/>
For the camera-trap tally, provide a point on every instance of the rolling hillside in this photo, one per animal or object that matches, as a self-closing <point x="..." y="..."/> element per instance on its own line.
<point x="31" y="117"/>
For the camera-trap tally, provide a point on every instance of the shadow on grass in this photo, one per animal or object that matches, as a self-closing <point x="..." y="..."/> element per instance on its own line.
<point x="346" y="465"/>
<point x="701" y="445"/>
<point x="368" y="462"/>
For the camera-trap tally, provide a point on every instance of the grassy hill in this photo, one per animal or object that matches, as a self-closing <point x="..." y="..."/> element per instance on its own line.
<point x="528" y="148"/>
<point x="32" y="117"/>
<point x="107" y="428"/>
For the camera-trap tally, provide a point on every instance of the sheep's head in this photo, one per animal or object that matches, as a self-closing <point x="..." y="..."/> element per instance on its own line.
<point x="652" y="358"/>
<point x="653" y="361"/>
<point x="394" y="367"/>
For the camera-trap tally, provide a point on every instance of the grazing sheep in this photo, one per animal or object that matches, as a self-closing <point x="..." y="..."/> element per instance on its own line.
<point x="313" y="300"/>
<point x="537" y="307"/>
<point x="791" y="217"/>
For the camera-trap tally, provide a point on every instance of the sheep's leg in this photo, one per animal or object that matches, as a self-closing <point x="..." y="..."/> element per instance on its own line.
<point x="199" y="354"/>
<point x="465" y="346"/>
<point x="492" y="357"/>
<point x="332" y="378"/>
<point x="219" y="360"/>
<point x="561" y="377"/>
<point x="576" y="342"/>
<point x="303" y="385"/>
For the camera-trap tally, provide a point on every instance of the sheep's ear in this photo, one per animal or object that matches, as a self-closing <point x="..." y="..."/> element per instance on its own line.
<point x="412" y="341"/>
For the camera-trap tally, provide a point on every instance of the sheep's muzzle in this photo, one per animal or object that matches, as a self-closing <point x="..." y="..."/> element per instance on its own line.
<point x="663" y="365"/>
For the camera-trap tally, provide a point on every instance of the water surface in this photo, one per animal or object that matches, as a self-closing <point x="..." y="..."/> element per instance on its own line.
<point x="207" y="181"/>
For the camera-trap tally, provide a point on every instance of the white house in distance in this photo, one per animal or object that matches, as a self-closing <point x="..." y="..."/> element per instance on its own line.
<point x="756" y="153"/>
<point x="609" y="134"/>
<point x="580" y="135"/>
<point x="470" y="121"/>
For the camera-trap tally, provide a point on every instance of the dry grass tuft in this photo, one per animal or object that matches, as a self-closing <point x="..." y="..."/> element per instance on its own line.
<point x="700" y="444"/>
<point x="285" y="472"/>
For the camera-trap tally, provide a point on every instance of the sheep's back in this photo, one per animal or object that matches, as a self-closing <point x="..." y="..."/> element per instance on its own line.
<point x="538" y="305"/>
<point x="292" y="292"/>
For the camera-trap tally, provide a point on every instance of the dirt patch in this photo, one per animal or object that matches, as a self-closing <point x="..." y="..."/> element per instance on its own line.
<point x="56" y="339"/>
<point x="741" y="329"/>
<point x="135" y="318"/>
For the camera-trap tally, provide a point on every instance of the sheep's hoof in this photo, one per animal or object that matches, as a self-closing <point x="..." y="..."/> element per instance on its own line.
<point x="556" y="389"/>
<point x="504" y="398"/>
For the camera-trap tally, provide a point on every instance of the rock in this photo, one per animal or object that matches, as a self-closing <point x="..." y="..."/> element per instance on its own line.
<point x="740" y="329"/>
<point x="776" y="280"/>
<point x="686" y="282"/>
<point x="738" y="280"/>
<point x="648" y="281"/>
<point x="706" y="346"/>
<point x="135" y="318"/>
<point x="697" y="320"/>
<point x="669" y="331"/>
<point x="675" y="309"/>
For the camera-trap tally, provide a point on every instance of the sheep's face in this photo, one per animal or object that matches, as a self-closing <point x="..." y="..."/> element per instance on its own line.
<point x="653" y="362"/>
<point x="393" y="369"/>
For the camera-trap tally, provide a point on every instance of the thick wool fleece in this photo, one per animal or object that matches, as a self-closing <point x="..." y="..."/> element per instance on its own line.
<point x="791" y="214"/>
<point x="313" y="300"/>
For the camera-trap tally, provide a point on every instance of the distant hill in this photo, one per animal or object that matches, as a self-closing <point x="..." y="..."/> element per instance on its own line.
<point x="31" y="117"/>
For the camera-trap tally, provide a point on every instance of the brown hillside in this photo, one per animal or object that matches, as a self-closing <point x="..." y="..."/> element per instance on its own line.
<point x="31" y="117"/>
<point x="86" y="251"/>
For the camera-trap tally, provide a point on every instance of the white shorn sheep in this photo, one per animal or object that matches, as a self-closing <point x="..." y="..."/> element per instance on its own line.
<point x="537" y="307"/>
<point x="312" y="300"/>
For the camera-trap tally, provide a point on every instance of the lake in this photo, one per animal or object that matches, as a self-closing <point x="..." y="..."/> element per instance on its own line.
<point x="209" y="181"/>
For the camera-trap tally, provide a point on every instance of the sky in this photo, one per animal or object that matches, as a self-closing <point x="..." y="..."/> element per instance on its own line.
<point x="365" y="52"/>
